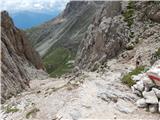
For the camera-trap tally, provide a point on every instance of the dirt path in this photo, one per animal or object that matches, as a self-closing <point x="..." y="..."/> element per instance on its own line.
<point x="91" y="96"/>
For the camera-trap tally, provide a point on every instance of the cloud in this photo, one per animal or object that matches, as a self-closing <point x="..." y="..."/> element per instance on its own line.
<point x="32" y="5"/>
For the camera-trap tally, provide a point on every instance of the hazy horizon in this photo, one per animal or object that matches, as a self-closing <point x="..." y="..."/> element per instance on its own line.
<point x="29" y="13"/>
<point x="26" y="19"/>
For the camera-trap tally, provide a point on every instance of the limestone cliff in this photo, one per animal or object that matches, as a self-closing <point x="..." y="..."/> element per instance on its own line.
<point x="16" y="55"/>
<point x="131" y="28"/>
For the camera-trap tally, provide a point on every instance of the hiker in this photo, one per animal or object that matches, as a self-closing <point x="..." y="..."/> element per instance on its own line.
<point x="138" y="61"/>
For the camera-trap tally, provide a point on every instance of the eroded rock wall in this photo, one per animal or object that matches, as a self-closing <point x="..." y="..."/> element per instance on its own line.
<point x="105" y="36"/>
<point x="121" y="27"/>
<point x="16" y="55"/>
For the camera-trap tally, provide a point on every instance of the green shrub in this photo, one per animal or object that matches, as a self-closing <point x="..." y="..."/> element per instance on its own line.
<point x="56" y="62"/>
<point x="127" y="78"/>
<point x="32" y="112"/>
<point x="11" y="109"/>
<point x="128" y="14"/>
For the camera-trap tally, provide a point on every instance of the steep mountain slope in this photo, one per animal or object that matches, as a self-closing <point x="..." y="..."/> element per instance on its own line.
<point x="132" y="28"/>
<point x="17" y="56"/>
<point x="66" y="30"/>
<point x="63" y="33"/>
<point x="122" y="36"/>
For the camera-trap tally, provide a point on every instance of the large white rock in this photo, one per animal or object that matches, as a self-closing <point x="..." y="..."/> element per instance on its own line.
<point x="137" y="77"/>
<point x="140" y="85"/>
<point x="150" y="97"/>
<point x="148" y="83"/>
<point x="141" y="103"/>
<point x="157" y="92"/>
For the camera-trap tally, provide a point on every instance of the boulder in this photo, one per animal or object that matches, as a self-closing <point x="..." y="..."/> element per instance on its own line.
<point x="157" y="92"/>
<point x="141" y="103"/>
<point x="139" y="86"/>
<point x="148" y="83"/>
<point x="150" y="97"/>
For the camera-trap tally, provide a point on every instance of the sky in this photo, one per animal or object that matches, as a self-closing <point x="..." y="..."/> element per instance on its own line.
<point x="30" y="13"/>
<point x="32" y="5"/>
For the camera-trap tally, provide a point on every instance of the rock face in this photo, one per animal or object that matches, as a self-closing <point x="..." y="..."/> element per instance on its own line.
<point x="66" y="30"/>
<point x="17" y="55"/>
<point x="130" y="28"/>
<point x="102" y="40"/>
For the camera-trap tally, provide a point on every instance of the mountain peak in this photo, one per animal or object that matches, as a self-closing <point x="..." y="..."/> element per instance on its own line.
<point x="6" y="21"/>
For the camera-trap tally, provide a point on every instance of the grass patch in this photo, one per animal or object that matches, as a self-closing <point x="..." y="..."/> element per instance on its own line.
<point x="32" y="112"/>
<point x="128" y="14"/>
<point x="127" y="78"/>
<point x="56" y="62"/>
<point x="11" y="109"/>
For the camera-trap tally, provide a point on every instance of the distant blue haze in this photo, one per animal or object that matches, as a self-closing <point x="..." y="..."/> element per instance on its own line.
<point x="27" y="19"/>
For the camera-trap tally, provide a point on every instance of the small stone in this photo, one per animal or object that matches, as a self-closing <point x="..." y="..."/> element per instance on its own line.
<point x="153" y="108"/>
<point x="130" y="46"/>
<point x="157" y="92"/>
<point x="150" y="97"/>
<point x="141" y="103"/>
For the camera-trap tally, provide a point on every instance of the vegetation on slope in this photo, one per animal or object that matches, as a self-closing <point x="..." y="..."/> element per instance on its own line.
<point x="128" y="14"/>
<point x="56" y="62"/>
<point x="32" y="112"/>
<point x="127" y="79"/>
<point x="11" y="109"/>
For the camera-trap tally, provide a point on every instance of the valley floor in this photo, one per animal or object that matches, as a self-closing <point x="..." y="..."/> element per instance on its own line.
<point x="92" y="95"/>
